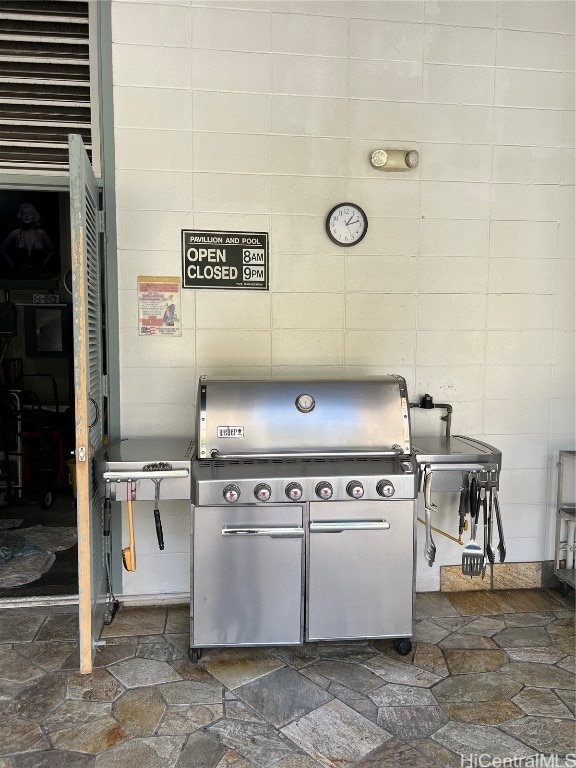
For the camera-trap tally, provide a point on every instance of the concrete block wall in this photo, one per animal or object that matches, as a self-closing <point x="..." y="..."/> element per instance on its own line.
<point x="260" y="116"/>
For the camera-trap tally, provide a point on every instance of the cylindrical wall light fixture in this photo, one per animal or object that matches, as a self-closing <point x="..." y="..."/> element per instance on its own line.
<point x="394" y="159"/>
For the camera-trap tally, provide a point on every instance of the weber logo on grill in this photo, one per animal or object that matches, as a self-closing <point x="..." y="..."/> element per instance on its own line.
<point x="230" y="431"/>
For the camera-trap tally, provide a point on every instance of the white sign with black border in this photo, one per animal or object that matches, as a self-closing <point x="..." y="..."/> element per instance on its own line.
<point x="225" y="260"/>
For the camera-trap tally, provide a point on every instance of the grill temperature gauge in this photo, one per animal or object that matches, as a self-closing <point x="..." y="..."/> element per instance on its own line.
<point x="294" y="491"/>
<point x="385" y="488"/>
<point x="262" y="492"/>
<point x="231" y="493"/>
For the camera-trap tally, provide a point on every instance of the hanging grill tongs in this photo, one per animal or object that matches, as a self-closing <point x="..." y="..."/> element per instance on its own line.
<point x="463" y="506"/>
<point x="483" y="498"/>
<point x="430" y="546"/>
<point x="496" y="502"/>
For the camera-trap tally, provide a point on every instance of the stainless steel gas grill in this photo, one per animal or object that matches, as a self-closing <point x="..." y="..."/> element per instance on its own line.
<point x="303" y="508"/>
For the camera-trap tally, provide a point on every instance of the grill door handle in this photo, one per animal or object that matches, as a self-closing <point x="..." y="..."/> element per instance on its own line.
<point x="273" y="533"/>
<point x="342" y="527"/>
<point x="216" y="454"/>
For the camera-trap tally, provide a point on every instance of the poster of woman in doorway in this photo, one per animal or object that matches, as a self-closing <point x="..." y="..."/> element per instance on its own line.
<point x="29" y="236"/>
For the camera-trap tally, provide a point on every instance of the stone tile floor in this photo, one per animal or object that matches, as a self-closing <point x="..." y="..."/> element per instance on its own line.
<point x="491" y="678"/>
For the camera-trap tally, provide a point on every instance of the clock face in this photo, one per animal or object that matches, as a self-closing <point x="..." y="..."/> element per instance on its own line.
<point x="346" y="224"/>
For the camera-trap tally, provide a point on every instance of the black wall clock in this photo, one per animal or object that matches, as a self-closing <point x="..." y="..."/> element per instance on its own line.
<point x="346" y="224"/>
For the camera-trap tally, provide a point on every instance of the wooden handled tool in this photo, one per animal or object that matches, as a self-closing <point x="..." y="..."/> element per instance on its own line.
<point x="129" y="552"/>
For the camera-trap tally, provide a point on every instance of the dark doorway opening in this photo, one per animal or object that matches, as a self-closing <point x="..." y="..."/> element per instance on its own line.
<point x="38" y="551"/>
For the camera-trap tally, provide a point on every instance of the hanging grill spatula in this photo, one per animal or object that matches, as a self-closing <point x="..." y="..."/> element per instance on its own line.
<point x="473" y="554"/>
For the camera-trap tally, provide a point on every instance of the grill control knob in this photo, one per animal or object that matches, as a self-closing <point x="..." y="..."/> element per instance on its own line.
<point x="324" y="490"/>
<point x="294" y="491"/>
<point x="355" y="489"/>
<point x="262" y="492"/>
<point x="231" y="493"/>
<point x="385" y="488"/>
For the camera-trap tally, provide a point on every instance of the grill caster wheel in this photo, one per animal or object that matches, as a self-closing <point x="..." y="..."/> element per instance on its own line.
<point x="47" y="499"/>
<point x="403" y="646"/>
<point x="195" y="654"/>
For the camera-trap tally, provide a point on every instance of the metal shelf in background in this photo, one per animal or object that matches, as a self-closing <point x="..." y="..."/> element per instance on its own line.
<point x="565" y="523"/>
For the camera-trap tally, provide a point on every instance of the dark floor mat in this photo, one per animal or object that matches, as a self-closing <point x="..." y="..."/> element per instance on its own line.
<point x="58" y="568"/>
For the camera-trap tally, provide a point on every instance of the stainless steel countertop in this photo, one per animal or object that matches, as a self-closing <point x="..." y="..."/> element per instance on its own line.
<point x="457" y="449"/>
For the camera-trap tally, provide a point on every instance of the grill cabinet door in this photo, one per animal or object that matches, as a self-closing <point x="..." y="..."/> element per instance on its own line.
<point x="247" y="575"/>
<point x="360" y="570"/>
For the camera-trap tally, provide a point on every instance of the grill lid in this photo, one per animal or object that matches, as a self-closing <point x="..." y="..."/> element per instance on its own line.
<point x="282" y="418"/>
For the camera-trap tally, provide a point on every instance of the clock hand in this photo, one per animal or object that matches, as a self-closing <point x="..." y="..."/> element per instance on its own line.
<point x="348" y="223"/>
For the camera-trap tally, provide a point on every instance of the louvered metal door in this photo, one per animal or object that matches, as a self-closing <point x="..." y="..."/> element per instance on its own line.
<point x="87" y="327"/>
<point x="47" y="86"/>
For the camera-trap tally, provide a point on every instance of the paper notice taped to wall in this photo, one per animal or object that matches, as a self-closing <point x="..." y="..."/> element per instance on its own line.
<point x="159" y="306"/>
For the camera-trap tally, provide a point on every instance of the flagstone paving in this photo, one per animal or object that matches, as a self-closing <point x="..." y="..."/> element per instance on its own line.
<point x="491" y="677"/>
